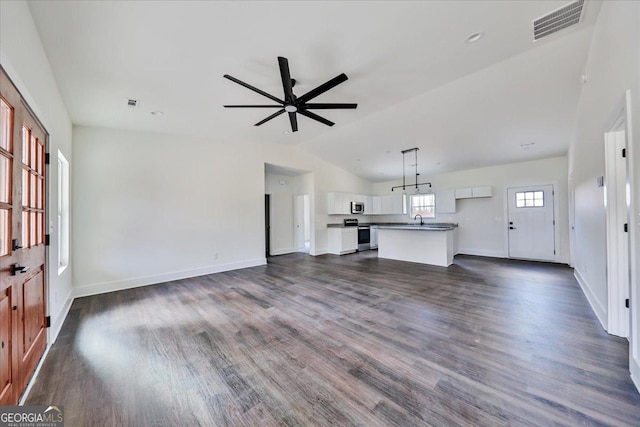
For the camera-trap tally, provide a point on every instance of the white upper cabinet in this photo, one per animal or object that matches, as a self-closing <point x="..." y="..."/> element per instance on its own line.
<point x="475" y="192"/>
<point x="463" y="193"/>
<point x="482" y="191"/>
<point x="340" y="204"/>
<point x="445" y="201"/>
<point x="397" y="207"/>
<point x="376" y="205"/>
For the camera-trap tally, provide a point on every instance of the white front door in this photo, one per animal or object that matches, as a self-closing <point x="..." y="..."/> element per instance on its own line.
<point x="531" y="223"/>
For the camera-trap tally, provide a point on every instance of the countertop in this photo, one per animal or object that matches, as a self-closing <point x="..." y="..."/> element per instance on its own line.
<point x="418" y="227"/>
<point x="442" y="226"/>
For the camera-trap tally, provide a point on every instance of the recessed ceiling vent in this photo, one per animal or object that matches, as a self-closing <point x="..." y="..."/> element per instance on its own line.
<point x="133" y="103"/>
<point x="564" y="17"/>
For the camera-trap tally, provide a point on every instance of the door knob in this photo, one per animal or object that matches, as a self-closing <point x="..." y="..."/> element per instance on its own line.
<point x="17" y="268"/>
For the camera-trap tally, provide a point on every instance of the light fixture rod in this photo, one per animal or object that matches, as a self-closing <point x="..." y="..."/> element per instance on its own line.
<point x="404" y="182"/>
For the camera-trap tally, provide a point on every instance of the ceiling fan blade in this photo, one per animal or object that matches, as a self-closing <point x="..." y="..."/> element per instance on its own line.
<point x="322" y="88"/>
<point x="255" y="89"/>
<point x="276" y="114"/>
<point x="286" y="79"/>
<point x="330" y="106"/>
<point x="252" y="106"/>
<point x="294" y="122"/>
<point x="314" y="116"/>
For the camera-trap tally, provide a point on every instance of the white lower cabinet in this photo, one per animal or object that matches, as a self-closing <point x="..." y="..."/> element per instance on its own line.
<point x="373" y="233"/>
<point x="343" y="240"/>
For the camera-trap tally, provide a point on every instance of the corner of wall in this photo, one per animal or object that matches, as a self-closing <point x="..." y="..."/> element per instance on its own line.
<point x="634" y="367"/>
<point x="596" y="305"/>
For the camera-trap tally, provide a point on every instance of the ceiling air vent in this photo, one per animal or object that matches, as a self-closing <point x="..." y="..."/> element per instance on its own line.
<point x="133" y="103"/>
<point x="555" y="21"/>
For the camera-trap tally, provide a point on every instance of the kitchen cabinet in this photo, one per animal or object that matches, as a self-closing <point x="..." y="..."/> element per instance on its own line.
<point x="397" y="204"/>
<point x="373" y="237"/>
<point x="482" y="191"/>
<point x="376" y="205"/>
<point x="445" y="201"/>
<point x="473" y="193"/>
<point x="368" y="205"/>
<point x="463" y="193"/>
<point x="343" y="240"/>
<point x="386" y="205"/>
<point x="338" y="203"/>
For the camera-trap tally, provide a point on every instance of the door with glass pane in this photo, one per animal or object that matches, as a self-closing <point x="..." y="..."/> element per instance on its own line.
<point x="531" y="223"/>
<point x="22" y="242"/>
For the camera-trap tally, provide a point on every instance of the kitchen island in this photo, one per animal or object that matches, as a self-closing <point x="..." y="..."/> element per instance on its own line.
<point x="426" y="244"/>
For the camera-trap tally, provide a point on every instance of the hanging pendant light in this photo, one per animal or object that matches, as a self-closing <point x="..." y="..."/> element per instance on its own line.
<point x="404" y="181"/>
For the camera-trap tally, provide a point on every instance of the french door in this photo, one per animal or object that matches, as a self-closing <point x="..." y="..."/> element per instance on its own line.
<point x="23" y="335"/>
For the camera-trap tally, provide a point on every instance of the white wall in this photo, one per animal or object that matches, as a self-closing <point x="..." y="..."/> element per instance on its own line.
<point x="24" y="60"/>
<point x="482" y="223"/>
<point x="612" y="68"/>
<point x="152" y="207"/>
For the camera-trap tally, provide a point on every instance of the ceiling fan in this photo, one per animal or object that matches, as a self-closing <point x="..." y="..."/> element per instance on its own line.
<point x="293" y="104"/>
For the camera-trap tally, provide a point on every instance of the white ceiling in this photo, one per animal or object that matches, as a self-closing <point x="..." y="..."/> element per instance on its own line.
<point x="415" y="79"/>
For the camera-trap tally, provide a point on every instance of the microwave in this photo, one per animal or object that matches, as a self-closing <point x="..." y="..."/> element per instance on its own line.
<point x="357" y="207"/>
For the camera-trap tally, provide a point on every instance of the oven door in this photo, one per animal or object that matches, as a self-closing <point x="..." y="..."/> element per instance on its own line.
<point x="364" y="238"/>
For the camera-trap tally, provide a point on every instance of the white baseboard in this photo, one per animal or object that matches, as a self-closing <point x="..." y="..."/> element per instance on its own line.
<point x="60" y="318"/>
<point x="481" y="252"/>
<point x="318" y="252"/>
<point x="634" y="367"/>
<point x="282" y="251"/>
<point x="101" y="288"/>
<point x="597" y="306"/>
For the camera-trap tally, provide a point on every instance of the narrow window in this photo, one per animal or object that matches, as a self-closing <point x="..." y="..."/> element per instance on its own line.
<point x="63" y="213"/>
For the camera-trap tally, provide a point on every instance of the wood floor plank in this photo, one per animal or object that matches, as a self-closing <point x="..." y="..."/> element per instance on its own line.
<point x="350" y="341"/>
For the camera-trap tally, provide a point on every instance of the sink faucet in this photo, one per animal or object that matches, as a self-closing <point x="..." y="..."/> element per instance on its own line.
<point x="416" y="217"/>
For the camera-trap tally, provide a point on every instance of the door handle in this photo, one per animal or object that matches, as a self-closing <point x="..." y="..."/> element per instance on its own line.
<point x="512" y="228"/>
<point x="17" y="268"/>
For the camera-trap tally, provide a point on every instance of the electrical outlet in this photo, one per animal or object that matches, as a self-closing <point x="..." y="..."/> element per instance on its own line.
<point x="215" y="256"/>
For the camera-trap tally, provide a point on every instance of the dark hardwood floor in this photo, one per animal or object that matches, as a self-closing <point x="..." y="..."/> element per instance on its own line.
<point x="339" y="341"/>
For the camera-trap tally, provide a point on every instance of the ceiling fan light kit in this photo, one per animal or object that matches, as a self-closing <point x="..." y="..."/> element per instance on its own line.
<point x="292" y="104"/>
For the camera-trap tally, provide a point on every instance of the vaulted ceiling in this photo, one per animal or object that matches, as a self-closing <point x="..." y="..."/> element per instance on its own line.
<point x="416" y="79"/>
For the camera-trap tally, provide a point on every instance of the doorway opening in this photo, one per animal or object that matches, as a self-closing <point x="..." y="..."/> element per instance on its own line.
<point x="618" y="205"/>
<point x="289" y="211"/>
<point x="303" y="222"/>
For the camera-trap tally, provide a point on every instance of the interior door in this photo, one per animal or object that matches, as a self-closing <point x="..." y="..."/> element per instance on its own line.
<point x="22" y="243"/>
<point x="531" y="223"/>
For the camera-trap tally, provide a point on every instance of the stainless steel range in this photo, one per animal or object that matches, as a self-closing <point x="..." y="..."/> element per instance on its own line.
<point x="364" y="233"/>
